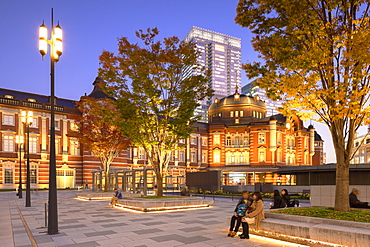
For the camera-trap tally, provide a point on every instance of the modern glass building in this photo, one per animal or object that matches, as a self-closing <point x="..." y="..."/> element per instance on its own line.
<point x="271" y="106"/>
<point x="220" y="54"/>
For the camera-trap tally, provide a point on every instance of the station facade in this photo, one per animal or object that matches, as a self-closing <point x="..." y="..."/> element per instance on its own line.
<point x="238" y="140"/>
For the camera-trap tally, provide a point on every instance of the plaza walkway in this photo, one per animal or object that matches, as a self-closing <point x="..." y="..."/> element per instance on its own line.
<point x="94" y="223"/>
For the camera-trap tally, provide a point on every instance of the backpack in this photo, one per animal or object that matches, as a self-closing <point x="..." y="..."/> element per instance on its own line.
<point x="242" y="209"/>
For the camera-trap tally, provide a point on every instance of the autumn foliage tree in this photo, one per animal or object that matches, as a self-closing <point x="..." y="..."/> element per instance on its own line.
<point x="155" y="102"/>
<point x="315" y="57"/>
<point x="98" y="133"/>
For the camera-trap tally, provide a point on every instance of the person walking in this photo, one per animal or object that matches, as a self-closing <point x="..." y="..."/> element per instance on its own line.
<point x="240" y="210"/>
<point x="256" y="212"/>
<point x="278" y="200"/>
<point x="116" y="196"/>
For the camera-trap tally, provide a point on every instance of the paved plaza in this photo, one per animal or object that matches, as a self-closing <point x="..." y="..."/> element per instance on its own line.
<point x="94" y="223"/>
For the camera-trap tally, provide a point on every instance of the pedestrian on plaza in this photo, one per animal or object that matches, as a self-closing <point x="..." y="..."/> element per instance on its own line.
<point x="86" y="184"/>
<point x="354" y="202"/>
<point x="240" y="210"/>
<point x="278" y="200"/>
<point x="116" y="196"/>
<point x="256" y="212"/>
<point x="185" y="191"/>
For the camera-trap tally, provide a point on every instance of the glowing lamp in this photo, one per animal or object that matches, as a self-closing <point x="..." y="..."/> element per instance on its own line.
<point x="43" y="35"/>
<point x="58" y="39"/>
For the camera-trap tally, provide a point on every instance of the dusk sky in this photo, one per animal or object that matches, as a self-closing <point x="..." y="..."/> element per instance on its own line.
<point x="91" y="26"/>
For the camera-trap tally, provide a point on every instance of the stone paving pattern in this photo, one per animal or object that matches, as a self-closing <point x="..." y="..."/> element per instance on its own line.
<point x="95" y="223"/>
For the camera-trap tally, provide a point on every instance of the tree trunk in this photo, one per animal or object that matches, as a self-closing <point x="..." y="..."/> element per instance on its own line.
<point x="159" y="184"/>
<point x="342" y="183"/>
<point x="106" y="182"/>
<point x="342" y="173"/>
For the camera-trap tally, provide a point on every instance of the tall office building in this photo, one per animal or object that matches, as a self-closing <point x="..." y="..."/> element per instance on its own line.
<point x="271" y="106"/>
<point x="221" y="54"/>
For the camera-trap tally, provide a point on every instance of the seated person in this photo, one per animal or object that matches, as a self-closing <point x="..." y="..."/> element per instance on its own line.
<point x="240" y="210"/>
<point x="116" y="196"/>
<point x="185" y="191"/>
<point x="354" y="202"/>
<point x="278" y="200"/>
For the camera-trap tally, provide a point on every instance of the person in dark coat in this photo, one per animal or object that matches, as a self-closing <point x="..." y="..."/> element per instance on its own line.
<point x="286" y="198"/>
<point x="278" y="200"/>
<point x="185" y="191"/>
<point x="239" y="212"/>
<point x="354" y="202"/>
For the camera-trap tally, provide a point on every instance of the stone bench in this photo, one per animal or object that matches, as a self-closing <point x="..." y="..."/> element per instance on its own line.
<point x="149" y="205"/>
<point x="315" y="231"/>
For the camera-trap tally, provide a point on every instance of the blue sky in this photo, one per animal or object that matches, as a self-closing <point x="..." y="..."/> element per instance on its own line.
<point x="91" y="26"/>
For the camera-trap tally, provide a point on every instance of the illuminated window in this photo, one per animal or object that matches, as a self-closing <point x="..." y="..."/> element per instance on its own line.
<point x="182" y="155"/>
<point x="8" y="143"/>
<point x="34" y="123"/>
<point x="219" y="48"/>
<point x="8" y="119"/>
<point x="193" y="140"/>
<point x="204" y="141"/>
<point x="228" y="157"/>
<point x="141" y="154"/>
<point x="237" y="140"/>
<point x="74" y="126"/>
<point x="204" y="156"/>
<point x="75" y="147"/>
<point x="8" y="174"/>
<point x="8" y="96"/>
<point x="246" y="157"/>
<point x="279" y="138"/>
<point x="33" y="145"/>
<point x="217" y="156"/>
<point x="216" y="140"/>
<point x="246" y="140"/>
<point x="236" y="113"/>
<point x="182" y="141"/>
<point x="31" y="100"/>
<point x="261" y="138"/>
<point x="241" y="113"/>
<point x="231" y="113"/>
<point x="56" y="123"/>
<point x="57" y="146"/>
<point x="279" y="155"/>
<point x="193" y="156"/>
<point x="261" y="155"/>
<point x="33" y="174"/>
<point x="228" y="141"/>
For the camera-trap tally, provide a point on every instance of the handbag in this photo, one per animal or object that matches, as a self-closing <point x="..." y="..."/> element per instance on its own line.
<point x="250" y="221"/>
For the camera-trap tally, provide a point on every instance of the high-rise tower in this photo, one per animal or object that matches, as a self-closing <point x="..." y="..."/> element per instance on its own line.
<point x="220" y="54"/>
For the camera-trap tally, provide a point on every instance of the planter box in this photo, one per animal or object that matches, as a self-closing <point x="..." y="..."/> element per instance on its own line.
<point x="149" y="205"/>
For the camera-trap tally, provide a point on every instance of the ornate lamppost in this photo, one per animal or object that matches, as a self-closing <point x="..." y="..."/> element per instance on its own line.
<point x="20" y="140"/>
<point x="27" y="119"/>
<point x="56" y="50"/>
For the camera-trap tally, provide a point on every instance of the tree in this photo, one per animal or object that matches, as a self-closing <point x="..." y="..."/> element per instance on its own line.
<point x="98" y="134"/>
<point x="155" y="102"/>
<point x="315" y="58"/>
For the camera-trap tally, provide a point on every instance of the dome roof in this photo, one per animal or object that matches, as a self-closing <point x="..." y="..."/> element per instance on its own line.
<point x="97" y="92"/>
<point x="232" y="100"/>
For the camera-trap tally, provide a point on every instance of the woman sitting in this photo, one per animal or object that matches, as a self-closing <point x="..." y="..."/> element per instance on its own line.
<point x="239" y="212"/>
<point x="278" y="200"/>
<point x="288" y="202"/>
<point x="257" y="212"/>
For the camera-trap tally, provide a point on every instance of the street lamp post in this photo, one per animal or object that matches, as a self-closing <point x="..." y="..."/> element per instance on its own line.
<point x="56" y="50"/>
<point x="27" y="119"/>
<point x="20" y="140"/>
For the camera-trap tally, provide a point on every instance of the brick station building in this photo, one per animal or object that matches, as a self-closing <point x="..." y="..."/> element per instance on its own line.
<point x="238" y="140"/>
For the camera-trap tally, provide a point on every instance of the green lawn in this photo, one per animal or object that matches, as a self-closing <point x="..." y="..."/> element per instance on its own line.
<point x="158" y="197"/>
<point x="328" y="213"/>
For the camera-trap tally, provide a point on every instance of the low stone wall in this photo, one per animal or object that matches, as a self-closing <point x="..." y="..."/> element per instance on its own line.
<point x="324" y="195"/>
<point x="292" y="189"/>
<point x="315" y="231"/>
<point x="148" y="205"/>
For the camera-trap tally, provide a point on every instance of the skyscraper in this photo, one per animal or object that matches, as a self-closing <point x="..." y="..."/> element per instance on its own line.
<point x="220" y="54"/>
<point x="271" y="106"/>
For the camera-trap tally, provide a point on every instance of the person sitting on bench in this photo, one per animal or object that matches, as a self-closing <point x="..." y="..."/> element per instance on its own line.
<point x="354" y="202"/>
